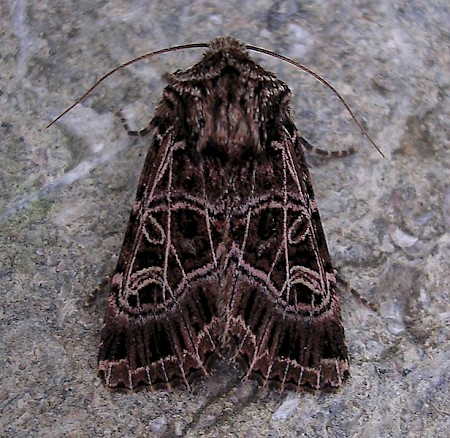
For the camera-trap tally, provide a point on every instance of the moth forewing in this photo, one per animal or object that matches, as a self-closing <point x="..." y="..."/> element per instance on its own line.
<point x="225" y="255"/>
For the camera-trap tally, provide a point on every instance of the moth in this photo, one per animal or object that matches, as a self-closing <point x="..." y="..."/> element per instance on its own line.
<point x="224" y="257"/>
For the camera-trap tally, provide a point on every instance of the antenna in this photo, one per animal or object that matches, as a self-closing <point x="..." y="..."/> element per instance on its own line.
<point x="206" y="45"/>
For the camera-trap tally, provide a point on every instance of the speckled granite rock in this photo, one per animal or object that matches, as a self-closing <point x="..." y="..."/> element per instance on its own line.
<point x="67" y="193"/>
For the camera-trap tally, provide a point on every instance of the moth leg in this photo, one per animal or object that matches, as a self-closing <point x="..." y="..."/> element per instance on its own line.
<point x="346" y="287"/>
<point x="341" y="153"/>
<point x="140" y="133"/>
<point x="100" y="289"/>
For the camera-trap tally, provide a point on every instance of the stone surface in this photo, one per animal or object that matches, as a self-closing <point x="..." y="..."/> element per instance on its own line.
<point x="67" y="192"/>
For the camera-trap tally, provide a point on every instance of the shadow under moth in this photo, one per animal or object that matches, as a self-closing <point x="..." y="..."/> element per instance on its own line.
<point x="224" y="256"/>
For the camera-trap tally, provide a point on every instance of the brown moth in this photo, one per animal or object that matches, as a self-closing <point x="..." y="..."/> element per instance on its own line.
<point x="224" y="256"/>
